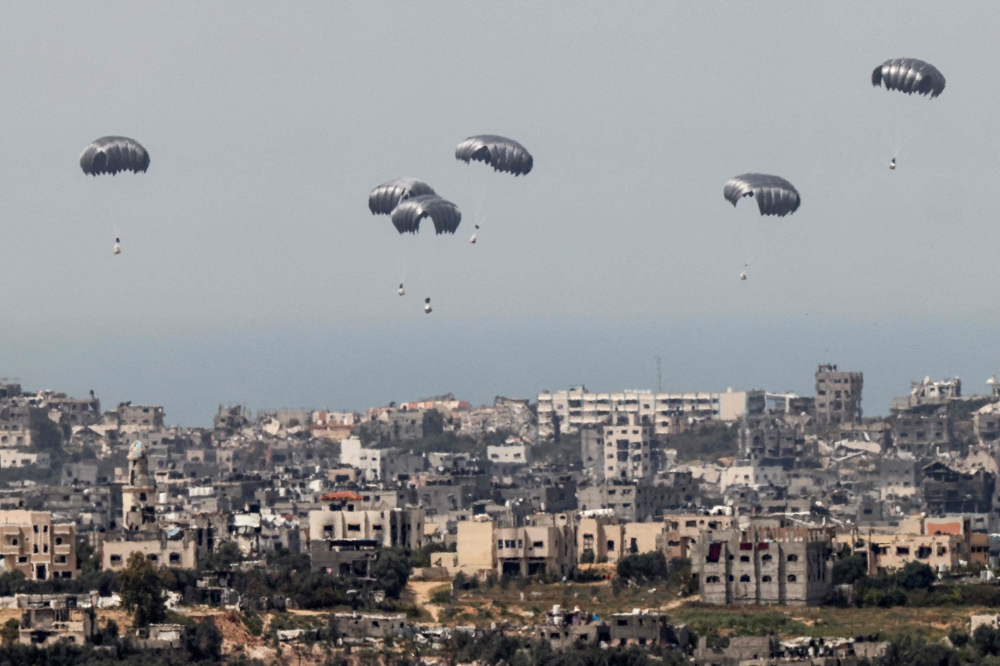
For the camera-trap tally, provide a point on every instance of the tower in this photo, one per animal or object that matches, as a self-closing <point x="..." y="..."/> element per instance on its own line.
<point x="138" y="495"/>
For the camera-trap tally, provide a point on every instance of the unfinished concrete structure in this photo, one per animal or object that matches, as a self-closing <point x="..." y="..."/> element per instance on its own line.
<point x="764" y="565"/>
<point x="838" y="395"/>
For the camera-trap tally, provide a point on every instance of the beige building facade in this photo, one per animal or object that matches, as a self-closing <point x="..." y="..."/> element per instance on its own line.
<point x="37" y="547"/>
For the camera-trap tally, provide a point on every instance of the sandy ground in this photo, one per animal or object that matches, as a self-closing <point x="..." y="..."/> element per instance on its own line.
<point x="422" y="593"/>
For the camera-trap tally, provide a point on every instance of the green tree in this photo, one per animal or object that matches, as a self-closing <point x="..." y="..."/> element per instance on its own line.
<point x="647" y="566"/>
<point x="850" y="569"/>
<point x="223" y="557"/>
<point x="205" y="642"/>
<point x="915" y="576"/>
<point x="10" y="631"/>
<point x="142" y="591"/>
<point x="392" y="570"/>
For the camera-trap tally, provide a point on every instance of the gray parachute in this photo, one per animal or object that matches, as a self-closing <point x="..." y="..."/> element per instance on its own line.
<point x="113" y="154"/>
<point x="909" y="75"/>
<point x="775" y="195"/>
<point x="445" y="215"/>
<point x="501" y="153"/>
<point x="387" y="196"/>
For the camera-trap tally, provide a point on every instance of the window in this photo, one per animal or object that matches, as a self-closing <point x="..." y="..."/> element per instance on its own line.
<point x="153" y="557"/>
<point x="611" y="544"/>
<point x="34" y="548"/>
<point x="499" y="543"/>
<point x="538" y="544"/>
<point x="520" y="543"/>
<point x="622" y="623"/>
<point x="901" y="550"/>
<point x="13" y="541"/>
<point x="353" y="527"/>
<point x="745" y="578"/>
<point x="58" y="541"/>
<point x="60" y="559"/>
<point x="793" y="558"/>
<point x="175" y="558"/>
<point x="791" y="578"/>
<point x="765" y="579"/>
<point x="509" y="543"/>
<point x="765" y="558"/>
<point x="711" y="579"/>
<point x="115" y="559"/>
<point x="744" y="558"/>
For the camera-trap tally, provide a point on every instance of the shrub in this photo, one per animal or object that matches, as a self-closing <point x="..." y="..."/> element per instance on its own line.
<point x="647" y="566"/>
<point x="587" y="556"/>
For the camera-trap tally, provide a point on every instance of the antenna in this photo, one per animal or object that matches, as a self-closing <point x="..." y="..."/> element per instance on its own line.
<point x="659" y="376"/>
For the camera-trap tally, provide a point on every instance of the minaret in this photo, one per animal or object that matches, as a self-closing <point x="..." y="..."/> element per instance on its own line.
<point x="139" y="494"/>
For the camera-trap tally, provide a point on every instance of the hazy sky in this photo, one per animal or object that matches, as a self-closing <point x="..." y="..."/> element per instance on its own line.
<point x="253" y="272"/>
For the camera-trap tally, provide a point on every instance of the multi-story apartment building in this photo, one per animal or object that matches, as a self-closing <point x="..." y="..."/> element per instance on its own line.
<point x="838" y="395"/>
<point x="545" y="546"/>
<point x="139" y="418"/>
<point x="627" y="446"/>
<point x="396" y="528"/>
<point x="636" y="502"/>
<point x="786" y="566"/>
<point x="40" y="549"/>
<point x="667" y="413"/>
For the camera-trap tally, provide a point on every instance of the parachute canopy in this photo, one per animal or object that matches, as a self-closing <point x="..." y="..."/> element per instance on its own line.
<point x="112" y="154"/>
<point x="775" y="195"/>
<point x="502" y="153"/>
<point x="387" y="196"/>
<point x="909" y="75"/>
<point x="445" y="215"/>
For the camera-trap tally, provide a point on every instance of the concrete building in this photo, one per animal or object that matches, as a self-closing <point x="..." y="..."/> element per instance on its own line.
<point x="175" y="549"/>
<point x="838" y="395"/>
<point x="646" y="627"/>
<point x="139" y="418"/>
<point x="634" y="502"/>
<point x="546" y="547"/>
<point x="922" y="434"/>
<point x="531" y="551"/>
<point x="17" y="458"/>
<point x="357" y="627"/>
<point x="395" y="528"/>
<point x="786" y="566"/>
<point x="627" y="447"/>
<point x="929" y="393"/>
<point x="507" y="454"/>
<point x="47" y="619"/>
<point x="40" y="549"/>
<point x="665" y="412"/>
<point x="948" y="490"/>
<point x="139" y="492"/>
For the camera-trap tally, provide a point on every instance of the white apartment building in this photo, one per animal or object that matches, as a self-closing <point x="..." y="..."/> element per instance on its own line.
<point x="665" y="412"/>
<point x="627" y="451"/>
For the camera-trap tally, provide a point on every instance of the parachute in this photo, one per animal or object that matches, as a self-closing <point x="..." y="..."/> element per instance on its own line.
<point x="502" y="153"/>
<point x="775" y="195"/>
<point x="427" y="305"/>
<point x="408" y="214"/>
<point x="909" y="75"/>
<point x="113" y="154"/>
<point x="387" y="196"/>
